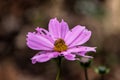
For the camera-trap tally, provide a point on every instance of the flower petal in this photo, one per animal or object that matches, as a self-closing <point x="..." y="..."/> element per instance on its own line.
<point x="38" y="42"/>
<point x="57" y="29"/>
<point x="82" y="49"/>
<point x="54" y="28"/>
<point x="45" y="34"/>
<point x="64" y="29"/>
<point x="72" y="35"/>
<point x="69" y="56"/>
<point x="83" y="37"/>
<point x="44" y="56"/>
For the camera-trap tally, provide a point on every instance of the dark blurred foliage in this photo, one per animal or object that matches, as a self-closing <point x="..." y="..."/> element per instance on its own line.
<point x="18" y="17"/>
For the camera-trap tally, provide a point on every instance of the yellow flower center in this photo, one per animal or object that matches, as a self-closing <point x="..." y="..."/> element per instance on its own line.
<point x="60" y="45"/>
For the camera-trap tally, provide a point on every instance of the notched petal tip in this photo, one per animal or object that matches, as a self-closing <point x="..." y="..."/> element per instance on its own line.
<point x="90" y="49"/>
<point x="94" y="49"/>
<point x="37" y="28"/>
<point x="80" y="26"/>
<point x="30" y="34"/>
<point x="54" y="19"/>
<point x="33" y="61"/>
<point x="63" y="21"/>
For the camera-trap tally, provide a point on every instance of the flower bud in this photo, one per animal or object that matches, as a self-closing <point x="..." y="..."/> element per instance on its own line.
<point x="102" y="70"/>
<point x="85" y="62"/>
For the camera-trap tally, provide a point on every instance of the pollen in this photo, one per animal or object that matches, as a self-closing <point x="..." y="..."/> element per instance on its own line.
<point x="60" y="45"/>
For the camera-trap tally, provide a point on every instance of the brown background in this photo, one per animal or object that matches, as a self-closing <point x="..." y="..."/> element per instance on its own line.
<point x="17" y="17"/>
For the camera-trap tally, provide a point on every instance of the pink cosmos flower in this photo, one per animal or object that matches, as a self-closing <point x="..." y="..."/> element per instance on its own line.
<point x="59" y="40"/>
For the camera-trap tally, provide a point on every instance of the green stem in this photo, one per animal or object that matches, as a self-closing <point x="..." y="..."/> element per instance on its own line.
<point x="86" y="73"/>
<point x="59" y="69"/>
<point x="58" y="75"/>
<point x="102" y="77"/>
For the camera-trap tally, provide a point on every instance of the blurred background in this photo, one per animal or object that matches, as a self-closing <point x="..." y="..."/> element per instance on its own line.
<point x="18" y="17"/>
